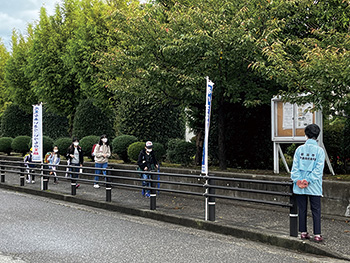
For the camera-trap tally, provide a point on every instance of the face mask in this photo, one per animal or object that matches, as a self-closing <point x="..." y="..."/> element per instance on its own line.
<point x="55" y="151"/>
<point x="76" y="144"/>
<point x="104" y="140"/>
<point x="149" y="150"/>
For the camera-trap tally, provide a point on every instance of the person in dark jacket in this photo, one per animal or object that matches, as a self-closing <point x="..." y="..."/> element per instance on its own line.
<point x="147" y="162"/>
<point x="75" y="157"/>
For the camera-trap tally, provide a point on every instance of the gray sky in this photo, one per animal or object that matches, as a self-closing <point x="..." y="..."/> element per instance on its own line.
<point x="16" y="14"/>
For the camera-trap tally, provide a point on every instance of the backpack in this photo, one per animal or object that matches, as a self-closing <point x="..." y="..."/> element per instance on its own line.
<point x="93" y="150"/>
<point x="47" y="155"/>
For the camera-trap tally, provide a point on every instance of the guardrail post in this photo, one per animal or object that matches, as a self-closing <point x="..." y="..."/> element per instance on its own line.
<point x="293" y="215"/>
<point x="153" y="192"/>
<point x="45" y="178"/>
<point x="2" y="174"/>
<point x="211" y="200"/>
<point x="73" y="187"/>
<point x="108" y="188"/>
<point x="22" y="176"/>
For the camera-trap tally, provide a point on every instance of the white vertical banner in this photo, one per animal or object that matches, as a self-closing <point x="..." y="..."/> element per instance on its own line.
<point x="209" y="93"/>
<point x="37" y="136"/>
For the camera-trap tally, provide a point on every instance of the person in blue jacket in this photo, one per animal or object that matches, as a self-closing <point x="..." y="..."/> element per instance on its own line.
<point x="307" y="172"/>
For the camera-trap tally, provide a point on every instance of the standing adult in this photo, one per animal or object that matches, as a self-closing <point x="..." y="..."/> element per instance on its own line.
<point x="147" y="162"/>
<point x="307" y="172"/>
<point x="102" y="152"/>
<point x="75" y="158"/>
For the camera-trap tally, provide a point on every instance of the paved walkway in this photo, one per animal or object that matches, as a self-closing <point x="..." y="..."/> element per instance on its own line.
<point x="256" y="222"/>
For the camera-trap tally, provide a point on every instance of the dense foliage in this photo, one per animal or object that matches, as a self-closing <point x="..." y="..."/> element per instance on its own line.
<point x="15" y="122"/>
<point x="92" y="120"/>
<point x="121" y="144"/>
<point x="139" y="67"/>
<point x="20" y="144"/>
<point x="63" y="144"/>
<point x="87" y="142"/>
<point x="5" y="145"/>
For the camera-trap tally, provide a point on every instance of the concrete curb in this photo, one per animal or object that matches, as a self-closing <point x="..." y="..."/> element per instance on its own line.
<point x="239" y="232"/>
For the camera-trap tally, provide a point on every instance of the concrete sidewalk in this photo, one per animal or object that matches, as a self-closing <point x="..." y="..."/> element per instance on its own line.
<point x="250" y="221"/>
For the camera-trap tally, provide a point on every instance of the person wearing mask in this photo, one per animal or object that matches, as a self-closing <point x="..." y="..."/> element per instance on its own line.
<point x="306" y="174"/>
<point x="75" y="157"/>
<point x="102" y="152"/>
<point x="147" y="162"/>
<point x="54" y="160"/>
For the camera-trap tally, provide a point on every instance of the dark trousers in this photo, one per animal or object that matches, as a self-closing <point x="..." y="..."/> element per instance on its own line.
<point x="315" y="202"/>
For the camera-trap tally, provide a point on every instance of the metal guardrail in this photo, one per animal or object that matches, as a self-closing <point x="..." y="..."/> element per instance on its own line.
<point x="117" y="178"/>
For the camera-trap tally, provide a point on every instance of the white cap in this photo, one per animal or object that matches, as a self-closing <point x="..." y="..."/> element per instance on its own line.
<point x="149" y="144"/>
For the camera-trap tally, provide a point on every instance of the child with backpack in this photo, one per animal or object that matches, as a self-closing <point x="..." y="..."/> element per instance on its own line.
<point x="54" y="160"/>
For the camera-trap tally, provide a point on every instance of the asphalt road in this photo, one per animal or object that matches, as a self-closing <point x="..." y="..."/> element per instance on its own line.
<point x="41" y="230"/>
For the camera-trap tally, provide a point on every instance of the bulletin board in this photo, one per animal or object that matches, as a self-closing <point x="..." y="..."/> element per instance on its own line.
<point x="289" y="120"/>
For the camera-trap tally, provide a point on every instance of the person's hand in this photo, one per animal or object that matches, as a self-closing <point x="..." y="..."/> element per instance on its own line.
<point x="145" y="168"/>
<point x="71" y="155"/>
<point x="302" y="183"/>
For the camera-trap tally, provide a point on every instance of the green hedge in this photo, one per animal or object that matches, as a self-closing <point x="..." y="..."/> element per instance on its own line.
<point x="62" y="145"/>
<point x="120" y="146"/>
<point x="159" y="151"/>
<point x="5" y="145"/>
<point x="182" y="152"/>
<point x="87" y="143"/>
<point x="15" y="122"/>
<point x="134" y="150"/>
<point x="20" y="144"/>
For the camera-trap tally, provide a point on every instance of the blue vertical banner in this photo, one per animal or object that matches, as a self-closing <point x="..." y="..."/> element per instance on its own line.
<point x="37" y="136"/>
<point x="209" y="93"/>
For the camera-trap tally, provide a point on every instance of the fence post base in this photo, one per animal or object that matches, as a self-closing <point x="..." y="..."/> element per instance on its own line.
<point x="293" y="217"/>
<point x="2" y="174"/>
<point x="153" y="193"/>
<point x="211" y="201"/>
<point x="73" y="187"/>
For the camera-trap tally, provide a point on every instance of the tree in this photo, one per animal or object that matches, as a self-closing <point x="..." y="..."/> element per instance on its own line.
<point x="90" y="35"/>
<point x="17" y="81"/>
<point x="51" y="79"/>
<point x="305" y="47"/>
<point x="4" y="56"/>
<point x="168" y="51"/>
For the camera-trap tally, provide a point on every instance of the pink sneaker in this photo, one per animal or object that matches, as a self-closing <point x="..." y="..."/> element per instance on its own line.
<point x="304" y="236"/>
<point x="318" y="238"/>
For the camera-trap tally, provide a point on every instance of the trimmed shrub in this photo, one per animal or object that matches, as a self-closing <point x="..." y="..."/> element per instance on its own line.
<point x="15" y="122"/>
<point x="170" y="153"/>
<point x="134" y="150"/>
<point x="20" y="144"/>
<point x="92" y="120"/>
<point x="87" y="142"/>
<point x="183" y="152"/>
<point x="120" y="146"/>
<point x="47" y="144"/>
<point x="159" y="151"/>
<point x="5" y="145"/>
<point x="62" y="145"/>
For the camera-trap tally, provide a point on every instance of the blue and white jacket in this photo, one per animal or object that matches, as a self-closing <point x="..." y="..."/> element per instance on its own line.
<point x="308" y="164"/>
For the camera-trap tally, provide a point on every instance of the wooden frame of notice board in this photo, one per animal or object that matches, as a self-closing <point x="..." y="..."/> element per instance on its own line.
<point x="288" y="122"/>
